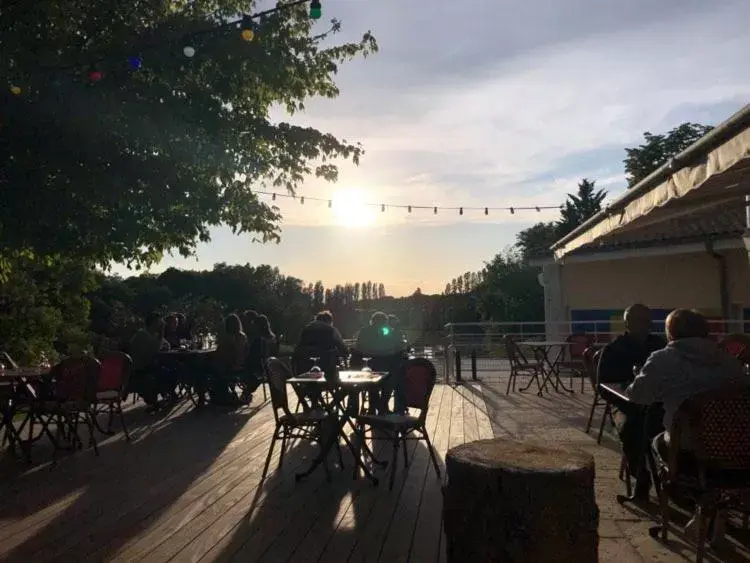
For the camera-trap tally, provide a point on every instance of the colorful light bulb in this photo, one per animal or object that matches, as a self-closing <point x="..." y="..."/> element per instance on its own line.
<point x="316" y="10"/>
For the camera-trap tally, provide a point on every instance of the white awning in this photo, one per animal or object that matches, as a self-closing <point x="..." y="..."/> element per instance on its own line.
<point x="716" y="174"/>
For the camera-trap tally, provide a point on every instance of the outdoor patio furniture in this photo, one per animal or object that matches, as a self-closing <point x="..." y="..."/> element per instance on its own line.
<point x="717" y="466"/>
<point x="519" y="365"/>
<point x="572" y="359"/>
<point x="591" y="365"/>
<point x="418" y="380"/>
<point x="74" y="384"/>
<point x="309" y="425"/>
<point x="738" y="345"/>
<point x="509" y="500"/>
<point x="111" y="391"/>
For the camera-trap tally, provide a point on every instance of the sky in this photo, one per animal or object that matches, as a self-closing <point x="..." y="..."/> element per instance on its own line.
<point x="489" y="103"/>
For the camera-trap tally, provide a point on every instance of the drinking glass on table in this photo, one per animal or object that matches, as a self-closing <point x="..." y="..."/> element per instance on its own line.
<point x="315" y="368"/>
<point x="365" y="367"/>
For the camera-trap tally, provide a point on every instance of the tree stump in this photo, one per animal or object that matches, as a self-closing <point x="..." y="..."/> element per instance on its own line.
<point x="509" y="501"/>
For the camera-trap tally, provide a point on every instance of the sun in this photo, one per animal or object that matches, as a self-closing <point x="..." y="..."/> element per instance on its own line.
<point x="350" y="209"/>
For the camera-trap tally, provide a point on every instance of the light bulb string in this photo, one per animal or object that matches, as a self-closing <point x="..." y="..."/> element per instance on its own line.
<point x="185" y="38"/>
<point x="409" y="207"/>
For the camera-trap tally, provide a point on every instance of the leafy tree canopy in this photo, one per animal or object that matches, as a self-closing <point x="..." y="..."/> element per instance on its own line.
<point x="658" y="149"/>
<point x="535" y="241"/>
<point x="142" y="161"/>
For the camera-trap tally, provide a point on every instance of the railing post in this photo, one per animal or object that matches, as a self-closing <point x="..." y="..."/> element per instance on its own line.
<point x="458" y="365"/>
<point x="474" y="364"/>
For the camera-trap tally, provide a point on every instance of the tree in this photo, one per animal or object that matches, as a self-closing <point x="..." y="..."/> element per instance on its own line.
<point x="658" y="149"/>
<point x="381" y="291"/>
<point x="448" y="289"/>
<point x="579" y="207"/>
<point x="147" y="150"/>
<point x="510" y="290"/>
<point x="535" y="241"/>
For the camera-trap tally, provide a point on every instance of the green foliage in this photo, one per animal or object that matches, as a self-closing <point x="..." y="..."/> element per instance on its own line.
<point x="580" y="206"/>
<point x="658" y="149"/>
<point x="535" y="242"/>
<point x="43" y="309"/>
<point x="511" y="291"/>
<point x="144" y="161"/>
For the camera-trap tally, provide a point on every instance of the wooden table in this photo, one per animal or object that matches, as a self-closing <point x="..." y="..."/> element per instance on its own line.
<point x="552" y="368"/>
<point x="188" y="358"/>
<point x="13" y="378"/>
<point x="346" y="383"/>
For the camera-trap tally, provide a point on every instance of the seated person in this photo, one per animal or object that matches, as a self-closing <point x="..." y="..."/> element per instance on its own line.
<point x="383" y="346"/>
<point x="690" y="364"/>
<point x="143" y="349"/>
<point x="230" y="357"/>
<point x="618" y="360"/>
<point x="263" y="346"/>
<point x="399" y="335"/>
<point x="318" y="339"/>
<point x="172" y="331"/>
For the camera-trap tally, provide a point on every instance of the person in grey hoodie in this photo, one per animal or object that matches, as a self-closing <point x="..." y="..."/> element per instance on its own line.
<point x="690" y="364"/>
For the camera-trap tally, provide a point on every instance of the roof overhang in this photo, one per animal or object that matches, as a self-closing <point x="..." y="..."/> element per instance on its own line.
<point x="711" y="174"/>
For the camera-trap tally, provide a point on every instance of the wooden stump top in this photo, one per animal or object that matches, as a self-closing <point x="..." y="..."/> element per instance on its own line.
<point x="520" y="457"/>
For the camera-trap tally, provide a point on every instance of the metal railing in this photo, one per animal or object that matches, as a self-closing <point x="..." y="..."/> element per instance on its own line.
<point x="474" y="347"/>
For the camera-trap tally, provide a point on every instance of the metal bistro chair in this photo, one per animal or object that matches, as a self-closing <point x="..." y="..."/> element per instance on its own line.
<point x="591" y="362"/>
<point x="111" y="391"/>
<point x="737" y="345"/>
<point x="418" y="380"/>
<point x="717" y="467"/>
<point x="74" y="386"/>
<point x="307" y="425"/>
<point x="519" y="365"/>
<point x="573" y="360"/>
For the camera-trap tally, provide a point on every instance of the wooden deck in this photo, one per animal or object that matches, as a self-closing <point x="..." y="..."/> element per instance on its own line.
<point x="188" y="488"/>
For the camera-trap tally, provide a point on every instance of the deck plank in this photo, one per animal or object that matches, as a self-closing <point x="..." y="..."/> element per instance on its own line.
<point x="429" y="527"/>
<point x="397" y="544"/>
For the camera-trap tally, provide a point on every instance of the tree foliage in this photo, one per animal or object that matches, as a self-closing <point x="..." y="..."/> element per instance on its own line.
<point x="658" y="149"/>
<point x="146" y="160"/>
<point x="535" y="242"/>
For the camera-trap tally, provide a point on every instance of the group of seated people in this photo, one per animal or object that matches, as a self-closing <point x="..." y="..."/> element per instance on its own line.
<point x="381" y="345"/>
<point x="242" y="347"/>
<point x="663" y="372"/>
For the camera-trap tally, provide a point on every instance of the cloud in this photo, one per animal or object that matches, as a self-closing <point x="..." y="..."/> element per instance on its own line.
<point x="469" y="102"/>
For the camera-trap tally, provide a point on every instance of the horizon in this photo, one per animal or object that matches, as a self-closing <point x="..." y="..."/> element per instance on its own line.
<point x="508" y="112"/>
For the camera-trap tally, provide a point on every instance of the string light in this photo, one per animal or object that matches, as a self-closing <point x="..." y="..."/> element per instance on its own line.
<point x="15" y="90"/>
<point x="188" y="51"/>
<point x="95" y="75"/>
<point x="411" y="207"/>
<point x="316" y="10"/>
<point x="248" y="33"/>
<point x="135" y="63"/>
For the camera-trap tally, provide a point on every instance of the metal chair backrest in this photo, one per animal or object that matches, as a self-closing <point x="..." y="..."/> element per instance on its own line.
<point x="589" y="365"/>
<point x="116" y="370"/>
<point x="76" y="379"/>
<point x="737" y="345"/>
<point x="278" y="373"/>
<point x="718" y="423"/>
<point x="513" y="351"/>
<point x="579" y="342"/>
<point x="419" y="381"/>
